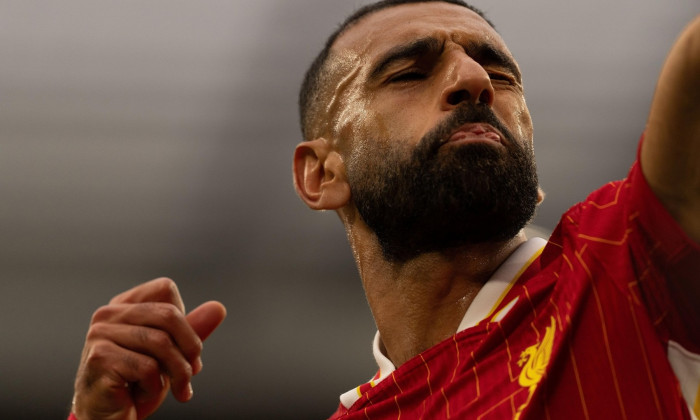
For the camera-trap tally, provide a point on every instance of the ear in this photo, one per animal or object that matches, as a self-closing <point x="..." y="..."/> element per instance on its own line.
<point x="319" y="175"/>
<point x="540" y="196"/>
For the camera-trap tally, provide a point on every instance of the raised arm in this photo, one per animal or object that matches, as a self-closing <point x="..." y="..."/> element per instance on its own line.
<point x="671" y="150"/>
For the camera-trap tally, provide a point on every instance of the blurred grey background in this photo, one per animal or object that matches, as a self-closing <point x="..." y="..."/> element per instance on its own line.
<point x="153" y="138"/>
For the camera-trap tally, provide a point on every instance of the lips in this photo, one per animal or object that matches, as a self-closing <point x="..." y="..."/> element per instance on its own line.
<point x="476" y="132"/>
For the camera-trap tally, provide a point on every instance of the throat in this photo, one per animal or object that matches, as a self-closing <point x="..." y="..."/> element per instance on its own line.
<point x="415" y="323"/>
<point x="423" y="302"/>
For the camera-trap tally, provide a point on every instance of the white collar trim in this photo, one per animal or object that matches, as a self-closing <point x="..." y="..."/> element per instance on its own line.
<point x="482" y="307"/>
<point x="493" y="292"/>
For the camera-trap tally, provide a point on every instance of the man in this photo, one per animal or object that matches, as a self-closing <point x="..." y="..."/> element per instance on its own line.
<point x="418" y="135"/>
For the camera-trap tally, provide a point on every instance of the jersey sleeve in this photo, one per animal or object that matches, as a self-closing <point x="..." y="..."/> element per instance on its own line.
<point x="669" y="270"/>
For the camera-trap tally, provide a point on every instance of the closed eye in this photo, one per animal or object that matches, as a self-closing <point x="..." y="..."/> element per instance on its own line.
<point x="498" y="76"/>
<point x="408" y="76"/>
<point x="502" y="79"/>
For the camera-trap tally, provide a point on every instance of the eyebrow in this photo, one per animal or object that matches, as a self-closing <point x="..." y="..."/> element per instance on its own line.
<point x="412" y="50"/>
<point x="485" y="53"/>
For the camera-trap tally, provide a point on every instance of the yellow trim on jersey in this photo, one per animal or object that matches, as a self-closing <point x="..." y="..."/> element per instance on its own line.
<point x="696" y="408"/>
<point x="515" y="279"/>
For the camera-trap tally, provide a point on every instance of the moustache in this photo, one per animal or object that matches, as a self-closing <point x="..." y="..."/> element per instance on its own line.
<point x="464" y="114"/>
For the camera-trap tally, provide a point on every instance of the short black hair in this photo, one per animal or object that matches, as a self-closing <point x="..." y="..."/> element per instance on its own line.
<point x="310" y="87"/>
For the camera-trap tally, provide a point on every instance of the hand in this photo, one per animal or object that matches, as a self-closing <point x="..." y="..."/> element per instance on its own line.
<point x="138" y="346"/>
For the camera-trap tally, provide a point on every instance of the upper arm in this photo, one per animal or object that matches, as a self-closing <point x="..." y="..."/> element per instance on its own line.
<point x="670" y="154"/>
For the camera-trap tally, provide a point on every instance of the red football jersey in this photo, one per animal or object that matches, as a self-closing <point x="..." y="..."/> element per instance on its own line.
<point x="592" y="327"/>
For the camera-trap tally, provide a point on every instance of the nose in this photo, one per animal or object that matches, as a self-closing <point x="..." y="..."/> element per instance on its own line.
<point x="466" y="81"/>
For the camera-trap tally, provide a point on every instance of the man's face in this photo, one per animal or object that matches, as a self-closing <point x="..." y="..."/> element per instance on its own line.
<point x="429" y="114"/>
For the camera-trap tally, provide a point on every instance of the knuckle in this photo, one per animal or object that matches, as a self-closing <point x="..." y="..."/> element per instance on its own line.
<point x="102" y="313"/>
<point x="167" y="287"/>
<point x="97" y="330"/>
<point x="167" y="312"/>
<point x="161" y="339"/>
<point x="98" y="354"/>
<point x="165" y="282"/>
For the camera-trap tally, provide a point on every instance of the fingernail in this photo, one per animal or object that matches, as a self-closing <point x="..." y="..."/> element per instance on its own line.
<point x="190" y="391"/>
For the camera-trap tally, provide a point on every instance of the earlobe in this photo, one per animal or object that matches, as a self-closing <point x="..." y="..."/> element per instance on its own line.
<point x="540" y="195"/>
<point x="319" y="175"/>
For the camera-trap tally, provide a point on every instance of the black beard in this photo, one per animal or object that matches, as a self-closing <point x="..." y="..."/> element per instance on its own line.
<point x="437" y="199"/>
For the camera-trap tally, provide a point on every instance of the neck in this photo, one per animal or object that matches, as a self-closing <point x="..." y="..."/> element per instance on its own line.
<point x="419" y="303"/>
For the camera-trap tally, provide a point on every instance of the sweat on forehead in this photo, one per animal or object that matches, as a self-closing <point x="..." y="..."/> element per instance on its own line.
<point x="410" y="20"/>
<point x="314" y="79"/>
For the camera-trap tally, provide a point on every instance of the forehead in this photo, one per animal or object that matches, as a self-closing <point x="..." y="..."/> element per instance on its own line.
<point x="380" y="31"/>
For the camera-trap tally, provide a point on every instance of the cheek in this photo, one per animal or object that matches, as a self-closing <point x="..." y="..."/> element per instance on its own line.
<point x="353" y="119"/>
<point x="362" y="116"/>
<point x="398" y="119"/>
<point x="360" y="119"/>
<point x="525" y="124"/>
<point x="353" y="115"/>
<point x="521" y="123"/>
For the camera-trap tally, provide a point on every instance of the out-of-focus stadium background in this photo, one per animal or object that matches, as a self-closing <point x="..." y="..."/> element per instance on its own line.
<point x="153" y="138"/>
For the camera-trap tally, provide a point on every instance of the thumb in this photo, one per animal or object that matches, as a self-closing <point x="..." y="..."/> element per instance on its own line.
<point x="206" y="317"/>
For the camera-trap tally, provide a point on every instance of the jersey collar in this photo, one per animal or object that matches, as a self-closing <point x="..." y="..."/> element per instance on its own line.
<point x="482" y="307"/>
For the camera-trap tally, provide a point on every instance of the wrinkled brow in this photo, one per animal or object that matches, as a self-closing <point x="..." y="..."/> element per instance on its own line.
<point x="411" y="50"/>
<point x="486" y="53"/>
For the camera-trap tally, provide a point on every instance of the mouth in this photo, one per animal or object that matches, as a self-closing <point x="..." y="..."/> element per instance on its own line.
<point x="476" y="132"/>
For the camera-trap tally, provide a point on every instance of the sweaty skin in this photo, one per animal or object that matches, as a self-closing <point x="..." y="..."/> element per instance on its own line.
<point x="397" y="110"/>
<point x="393" y="108"/>
<point x="406" y="299"/>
